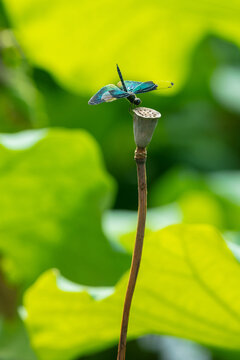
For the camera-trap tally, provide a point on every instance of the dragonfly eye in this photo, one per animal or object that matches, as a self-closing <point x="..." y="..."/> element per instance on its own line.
<point x="137" y="101"/>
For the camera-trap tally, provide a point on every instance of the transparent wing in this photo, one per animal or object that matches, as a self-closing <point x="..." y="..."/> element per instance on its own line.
<point x="106" y="94"/>
<point x="164" y="85"/>
<point x="130" y="85"/>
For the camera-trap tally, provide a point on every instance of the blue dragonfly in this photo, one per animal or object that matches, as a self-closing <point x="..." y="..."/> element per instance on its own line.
<point x="126" y="89"/>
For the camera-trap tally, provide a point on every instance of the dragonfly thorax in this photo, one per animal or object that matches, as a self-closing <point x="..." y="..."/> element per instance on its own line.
<point x="133" y="99"/>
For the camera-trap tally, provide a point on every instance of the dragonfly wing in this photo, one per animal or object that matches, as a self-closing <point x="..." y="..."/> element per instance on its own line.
<point x="130" y="85"/>
<point x="150" y="85"/>
<point x="145" y="87"/>
<point x="106" y="94"/>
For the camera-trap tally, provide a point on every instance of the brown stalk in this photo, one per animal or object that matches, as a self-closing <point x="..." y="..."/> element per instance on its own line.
<point x="140" y="158"/>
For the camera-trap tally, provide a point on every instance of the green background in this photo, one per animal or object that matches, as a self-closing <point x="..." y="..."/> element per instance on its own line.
<point x="68" y="189"/>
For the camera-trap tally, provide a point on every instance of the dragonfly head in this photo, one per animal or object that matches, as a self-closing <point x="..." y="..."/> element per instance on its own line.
<point x="137" y="101"/>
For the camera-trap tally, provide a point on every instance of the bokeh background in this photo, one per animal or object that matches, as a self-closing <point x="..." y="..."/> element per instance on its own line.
<point x="65" y="164"/>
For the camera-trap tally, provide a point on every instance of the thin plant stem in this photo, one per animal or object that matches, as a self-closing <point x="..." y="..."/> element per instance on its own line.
<point x="140" y="158"/>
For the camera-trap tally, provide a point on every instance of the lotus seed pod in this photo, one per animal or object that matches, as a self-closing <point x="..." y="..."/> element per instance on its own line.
<point x="144" y="123"/>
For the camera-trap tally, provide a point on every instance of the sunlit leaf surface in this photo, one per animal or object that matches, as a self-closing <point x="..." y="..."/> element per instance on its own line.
<point x="150" y="40"/>
<point x="52" y="197"/>
<point x="189" y="286"/>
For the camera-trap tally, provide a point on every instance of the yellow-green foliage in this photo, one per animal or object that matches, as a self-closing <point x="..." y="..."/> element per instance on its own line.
<point x="151" y="40"/>
<point x="189" y="286"/>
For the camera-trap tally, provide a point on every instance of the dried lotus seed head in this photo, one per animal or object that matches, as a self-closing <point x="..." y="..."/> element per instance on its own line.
<point x="147" y="113"/>
<point x="144" y="123"/>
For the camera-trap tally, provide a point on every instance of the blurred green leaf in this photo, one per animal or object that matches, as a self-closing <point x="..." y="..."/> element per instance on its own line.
<point x="189" y="286"/>
<point x="21" y="105"/>
<point x="14" y="342"/>
<point x="86" y="39"/>
<point x="225" y="184"/>
<point x="3" y="18"/>
<point x="210" y="198"/>
<point x="201" y="207"/>
<point x="174" y="183"/>
<point x="52" y="197"/>
<point x="226" y="87"/>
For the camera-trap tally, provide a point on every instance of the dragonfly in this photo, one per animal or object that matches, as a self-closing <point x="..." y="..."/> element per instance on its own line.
<point x="127" y="89"/>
